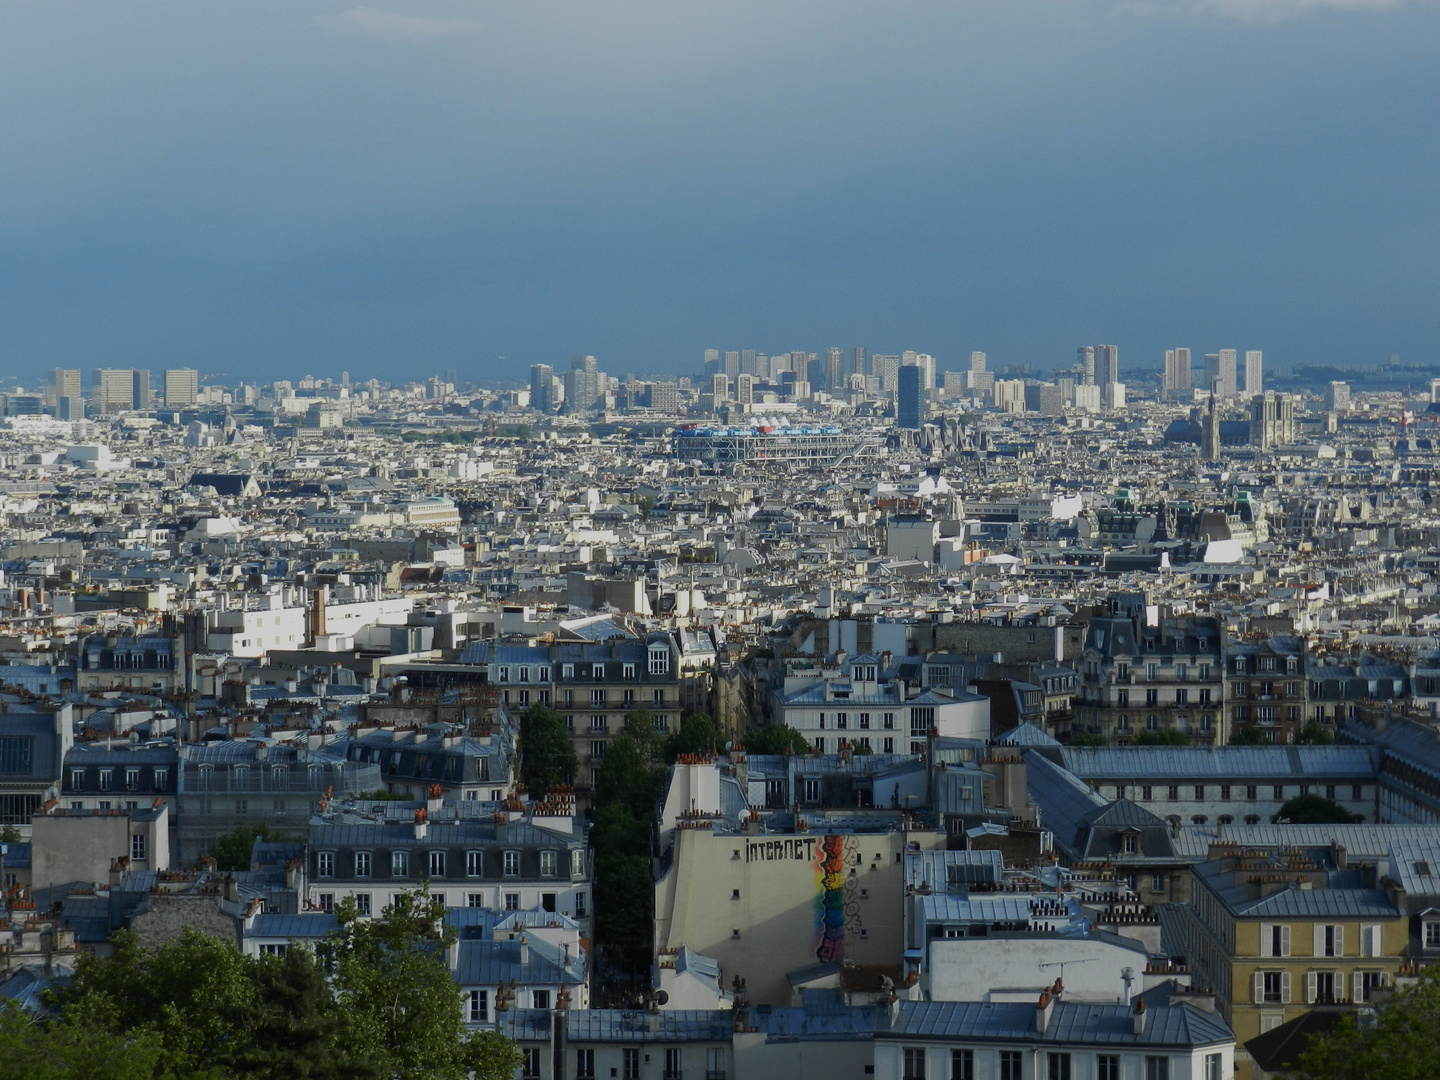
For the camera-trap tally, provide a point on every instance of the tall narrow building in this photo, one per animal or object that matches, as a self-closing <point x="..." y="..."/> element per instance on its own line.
<point x="1254" y="373"/>
<point x="834" y="369"/>
<point x="1085" y="362"/>
<point x="1107" y="364"/>
<point x="1177" y="371"/>
<point x="910" y="398"/>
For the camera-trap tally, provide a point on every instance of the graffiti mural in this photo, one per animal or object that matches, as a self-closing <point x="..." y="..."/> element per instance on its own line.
<point x="830" y="861"/>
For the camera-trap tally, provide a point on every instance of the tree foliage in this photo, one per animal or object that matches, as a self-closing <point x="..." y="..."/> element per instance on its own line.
<point x="378" y="1004"/>
<point x="697" y="735"/>
<point x="232" y="849"/>
<point x="775" y="739"/>
<point x="1086" y="738"/>
<point x="547" y="757"/>
<point x="1313" y="810"/>
<point x="1248" y="735"/>
<point x="1400" y="1045"/>
<point x="1313" y="734"/>
<point x="1161" y="738"/>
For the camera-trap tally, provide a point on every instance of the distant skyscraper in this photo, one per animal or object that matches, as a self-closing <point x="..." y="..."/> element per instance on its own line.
<point x="141" y="384"/>
<point x="926" y="363"/>
<point x="720" y="388"/>
<point x="119" y="390"/>
<point x="750" y="364"/>
<point x="977" y="361"/>
<point x="887" y="370"/>
<point x="1177" y="370"/>
<point x="745" y="389"/>
<point x="1107" y="364"/>
<point x="542" y="381"/>
<point x="1337" y="397"/>
<point x="584" y="383"/>
<point x="64" y="382"/>
<point x="732" y="365"/>
<point x="182" y="386"/>
<point x="800" y="365"/>
<point x="1254" y="372"/>
<point x="1229" y="377"/>
<point x="834" y="369"/>
<point x="910" y="398"/>
<point x="712" y="362"/>
<point x="1085" y="361"/>
<point x="858" y="365"/>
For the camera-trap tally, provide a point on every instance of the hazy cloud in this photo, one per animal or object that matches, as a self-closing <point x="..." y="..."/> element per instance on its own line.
<point x="374" y="22"/>
<point x="1256" y="11"/>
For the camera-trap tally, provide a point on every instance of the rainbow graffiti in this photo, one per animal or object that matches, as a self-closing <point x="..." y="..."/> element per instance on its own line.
<point x="830" y="861"/>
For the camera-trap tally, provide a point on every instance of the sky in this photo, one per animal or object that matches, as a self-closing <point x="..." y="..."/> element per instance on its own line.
<point x="267" y="188"/>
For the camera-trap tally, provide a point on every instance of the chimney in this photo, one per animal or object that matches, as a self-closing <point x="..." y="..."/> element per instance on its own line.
<point x="1137" y="1016"/>
<point x="1043" y="1009"/>
<point x="524" y="950"/>
<point x="422" y="824"/>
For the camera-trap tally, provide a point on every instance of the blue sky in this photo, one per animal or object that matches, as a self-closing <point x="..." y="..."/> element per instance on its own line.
<point x="265" y="188"/>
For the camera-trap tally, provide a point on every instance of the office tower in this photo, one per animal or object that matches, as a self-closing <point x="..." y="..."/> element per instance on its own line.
<point x="732" y="365"/>
<point x="1085" y="362"/>
<point x="1228" y="376"/>
<point x="665" y="396"/>
<point x="750" y="364"/>
<point x="1177" y="370"/>
<point x="345" y="380"/>
<point x="953" y="382"/>
<point x="584" y="383"/>
<point x="182" y="386"/>
<point x="1212" y="372"/>
<point x="926" y="363"/>
<point x="542" y="379"/>
<point x="1010" y="395"/>
<point x="910" y="399"/>
<point x="1272" y="420"/>
<point x="1337" y="397"/>
<point x="1254" y="372"/>
<point x="114" y="389"/>
<point x="720" y="388"/>
<point x="1112" y="396"/>
<point x="744" y="389"/>
<point x="64" y="382"/>
<point x="858" y="364"/>
<point x="711" y="364"/>
<point x="141" y="395"/>
<point x="834" y="369"/>
<point x="887" y="370"/>
<point x="800" y="365"/>
<point x="1107" y="364"/>
<point x="977" y="361"/>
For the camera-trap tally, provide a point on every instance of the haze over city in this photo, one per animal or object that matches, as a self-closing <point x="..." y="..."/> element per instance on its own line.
<point x="263" y="188"/>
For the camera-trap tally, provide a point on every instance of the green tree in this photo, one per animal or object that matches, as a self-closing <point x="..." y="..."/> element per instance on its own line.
<point x="1399" y="1046"/>
<point x="79" y="1046"/>
<point x="646" y="505"/>
<point x="628" y="781"/>
<point x="641" y="726"/>
<point x="697" y="735"/>
<point x="1313" y="734"/>
<point x="9" y="834"/>
<point x="1161" y="738"/>
<point x="1086" y="738"/>
<point x="232" y="849"/>
<point x="547" y="757"/>
<point x="390" y="978"/>
<point x="1313" y="810"/>
<point x="860" y="749"/>
<point x="1248" y="735"/>
<point x="774" y="739"/>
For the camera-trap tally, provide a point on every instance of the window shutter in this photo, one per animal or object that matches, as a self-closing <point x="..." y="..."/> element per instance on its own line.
<point x="1257" y="987"/>
<point x="1339" y="941"/>
<point x="1310" y="980"/>
<point x="1267" y="939"/>
<point x="1319" y="933"/>
<point x="1285" y="941"/>
<point x="1285" y="988"/>
<point x="1357" y="986"/>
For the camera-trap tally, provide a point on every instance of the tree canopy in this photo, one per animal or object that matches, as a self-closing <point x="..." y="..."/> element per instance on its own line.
<point x="377" y="1004"/>
<point x="774" y="739"/>
<point x="232" y="850"/>
<point x="547" y="758"/>
<point x="1313" y="734"/>
<point x="1400" y="1045"/>
<point x="1248" y="735"/>
<point x="1314" y="810"/>
<point x="1161" y="738"/>
<point x="697" y="735"/>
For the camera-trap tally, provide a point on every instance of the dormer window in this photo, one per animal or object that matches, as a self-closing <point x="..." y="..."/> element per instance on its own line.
<point x="504" y="674"/>
<point x="524" y="674"/>
<point x="567" y="671"/>
<point x="544" y="673"/>
<point x="659" y="660"/>
<point x="1130" y="843"/>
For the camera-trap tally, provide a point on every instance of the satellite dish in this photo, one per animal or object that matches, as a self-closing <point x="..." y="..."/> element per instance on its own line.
<point x="662" y="998"/>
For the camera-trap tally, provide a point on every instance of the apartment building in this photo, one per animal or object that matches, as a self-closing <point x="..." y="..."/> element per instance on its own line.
<point x="1268" y="688"/>
<point x="1144" y="672"/>
<point x="1277" y="930"/>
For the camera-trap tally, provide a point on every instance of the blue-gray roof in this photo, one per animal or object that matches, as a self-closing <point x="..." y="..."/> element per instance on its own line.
<point x="634" y="1026"/>
<point x="307" y="924"/>
<point x="1227" y="764"/>
<point x="1070" y="1023"/>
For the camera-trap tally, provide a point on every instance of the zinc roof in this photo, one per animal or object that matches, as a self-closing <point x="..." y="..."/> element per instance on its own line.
<point x="1070" y="1023"/>
<point x="1221" y="763"/>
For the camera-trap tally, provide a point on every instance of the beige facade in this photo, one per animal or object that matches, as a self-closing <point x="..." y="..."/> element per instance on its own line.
<point x="758" y="902"/>
<point x="68" y="845"/>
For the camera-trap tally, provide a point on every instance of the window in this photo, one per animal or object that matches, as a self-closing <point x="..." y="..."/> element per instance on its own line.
<point x="889" y="720"/>
<point x="107" y="779"/>
<point x="1146" y="793"/>
<point x="1199" y="792"/>
<point x="962" y="1065"/>
<point x="512" y="864"/>
<point x="1131" y="843"/>
<point x="597" y="697"/>
<point x="327" y="902"/>
<point x="325" y="864"/>
<point x="629" y="697"/>
<point x="474" y="863"/>
<point x="598" y="723"/>
<point x="1274" y="940"/>
<point x="1213" y="1065"/>
<point x="475" y="899"/>
<point x="1107" y="1067"/>
<point x="437" y="864"/>
<point x="567" y="671"/>
<point x="1432" y="935"/>
<point x="657" y="697"/>
<point x="137" y="847"/>
<point x="1320" y="987"/>
<point x="715" y="1063"/>
<point x="1012" y="1065"/>
<point x="864" y="721"/>
<point x="914" y="1063"/>
<point x="1252" y="792"/>
<point x="1205" y="696"/>
<point x="1278" y="793"/>
<point x="1058" y="1065"/>
<point x="1366" y="983"/>
<point x="632" y="1063"/>
<point x="362" y="903"/>
<point x="242" y="806"/>
<point x="585" y="1059"/>
<point x="399" y="864"/>
<point x="479" y="1005"/>
<point x="77" y="779"/>
<point x="512" y="901"/>
<point x="889" y="745"/>
<point x="672" y="1063"/>
<point x="1157" y="1068"/>
<point x="1329" y="940"/>
<point x="362" y="864"/>
<point x="530" y="1065"/>
<point x="547" y="863"/>
<point x="132" y="779"/>
<point x="812" y="791"/>
<point x="1152" y="723"/>
<point x="1357" y="791"/>
<point x="1174" y="794"/>
<point x="1182" y="697"/>
<point x="539" y="999"/>
<point x="842" y="720"/>
<point x="577" y="862"/>
<point x="1157" y="883"/>
<point x="1272" y="987"/>
<point x="580" y="911"/>
<point x="160" y="779"/>
<point x="597" y="750"/>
